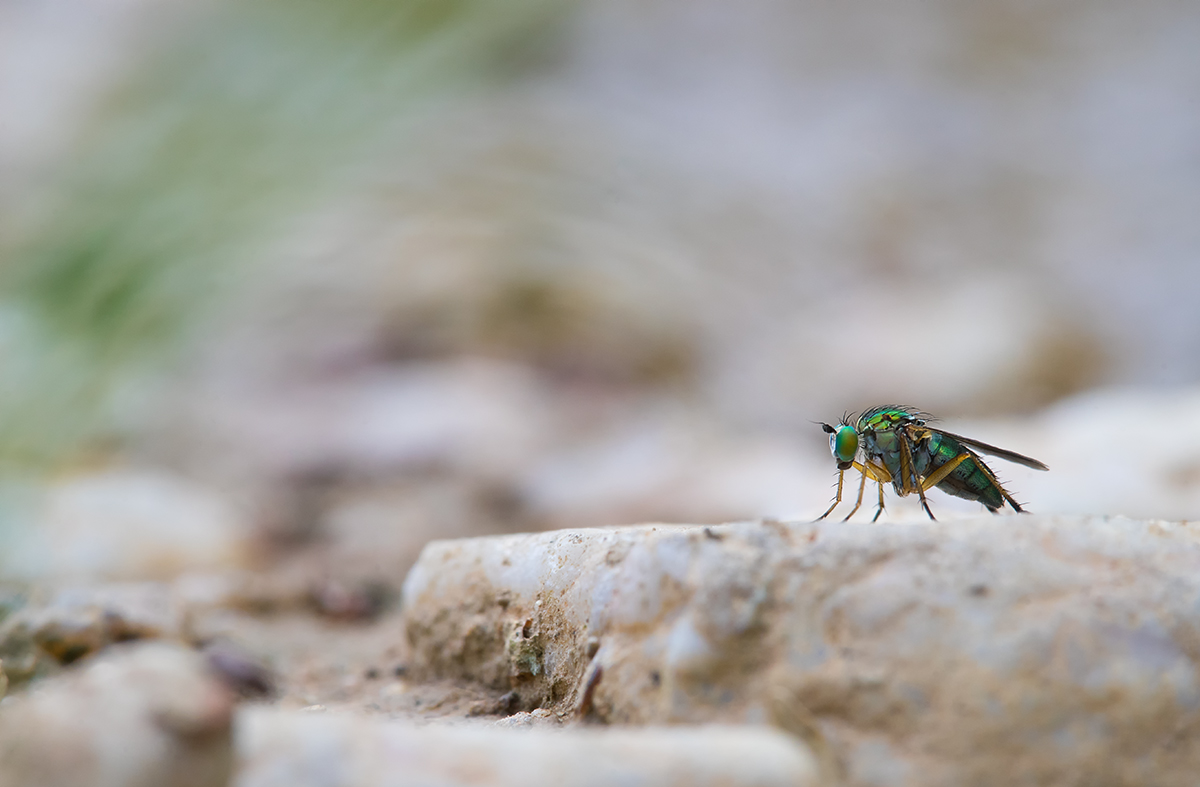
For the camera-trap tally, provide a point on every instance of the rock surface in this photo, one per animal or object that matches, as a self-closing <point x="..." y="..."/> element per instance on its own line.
<point x="279" y="749"/>
<point x="41" y="635"/>
<point x="991" y="650"/>
<point x="150" y="715"/>
<point x="123" y="524"/>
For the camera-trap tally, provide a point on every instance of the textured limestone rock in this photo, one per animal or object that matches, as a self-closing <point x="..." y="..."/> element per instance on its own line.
<point x="75" y="622"/>
<point x="992" y="650"/>
<point x="147" y="715"/>
<point x="279" y="749"/>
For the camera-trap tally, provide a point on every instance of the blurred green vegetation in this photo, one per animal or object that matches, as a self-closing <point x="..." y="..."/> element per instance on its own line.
<point x="240" y="117"/>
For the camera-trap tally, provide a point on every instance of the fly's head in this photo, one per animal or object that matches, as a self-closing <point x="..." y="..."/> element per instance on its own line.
<point x="843" y="444"/>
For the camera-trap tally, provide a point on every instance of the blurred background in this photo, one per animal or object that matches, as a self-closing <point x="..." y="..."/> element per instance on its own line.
<point x="308" y="283"/>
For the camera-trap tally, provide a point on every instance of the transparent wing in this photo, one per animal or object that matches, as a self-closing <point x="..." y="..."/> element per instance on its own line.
<point x="1001" y="453"/>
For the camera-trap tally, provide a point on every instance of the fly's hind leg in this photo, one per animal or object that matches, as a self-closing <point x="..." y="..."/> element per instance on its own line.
<point x="925" y="504"/>
<point x="939" y="475"/>
<point x="1003" y="492"/>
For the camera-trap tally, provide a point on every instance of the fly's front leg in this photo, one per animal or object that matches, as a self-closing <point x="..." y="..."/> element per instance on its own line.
<point x="837" y="498"/>
<point x="862" y="484"/>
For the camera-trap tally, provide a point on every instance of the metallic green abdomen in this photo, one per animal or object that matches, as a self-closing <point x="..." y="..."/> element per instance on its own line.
<point x="968" y="480"/>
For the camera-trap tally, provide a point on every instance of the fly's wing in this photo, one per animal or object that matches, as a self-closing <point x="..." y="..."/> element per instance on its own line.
<point x="1011" y="456"/>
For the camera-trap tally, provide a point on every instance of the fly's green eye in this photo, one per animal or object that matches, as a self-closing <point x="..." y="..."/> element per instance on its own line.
<point x="844" y="444"/>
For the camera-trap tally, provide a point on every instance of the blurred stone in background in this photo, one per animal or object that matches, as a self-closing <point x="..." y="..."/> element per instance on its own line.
<point x="140" y="716"/>
<point x="575" y="262"/>
<point x="579" y="262"/>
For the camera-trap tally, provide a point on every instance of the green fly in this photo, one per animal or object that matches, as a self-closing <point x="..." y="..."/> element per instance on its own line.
<point x="896" y="445"/>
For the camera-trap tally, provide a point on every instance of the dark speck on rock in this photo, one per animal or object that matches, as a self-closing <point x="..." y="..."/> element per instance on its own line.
<point x="509" y="703"/>
<point x="240" y="671"/>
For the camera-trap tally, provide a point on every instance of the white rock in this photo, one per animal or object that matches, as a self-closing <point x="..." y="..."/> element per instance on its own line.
<point x="991" y="650"/>
<point x="280" y="749"/>
<point x="151" y="715"/>
<point x="126" y="524"/>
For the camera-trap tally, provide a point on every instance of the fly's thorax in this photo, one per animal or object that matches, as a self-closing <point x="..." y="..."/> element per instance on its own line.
<point x="885" y="445"/>
<point x="884" y="442"/>
<point x="887" y="418"/>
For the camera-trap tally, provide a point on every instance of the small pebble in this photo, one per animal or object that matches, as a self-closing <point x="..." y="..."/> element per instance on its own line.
<point x="240" y="671"/>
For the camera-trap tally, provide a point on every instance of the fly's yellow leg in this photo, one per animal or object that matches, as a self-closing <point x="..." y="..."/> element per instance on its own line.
<point x="909" y="475"/>
<point x="991" y="477"/>
<point x="876" y="473"/>
<point x="940" y="474"/>
<point x="1003" y="492"/>
<point x="879" y="510"/>
<point x="837" y="498"/>
<point x="862" y="484"/>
